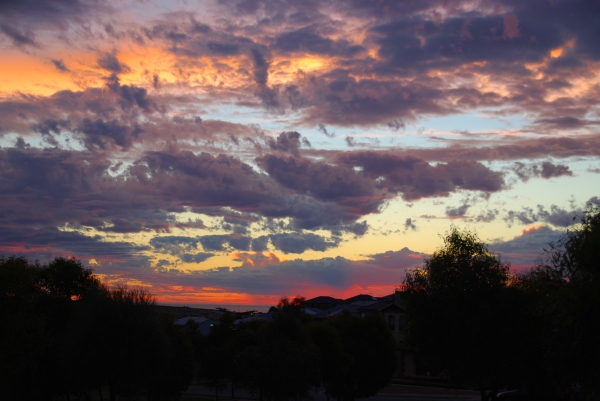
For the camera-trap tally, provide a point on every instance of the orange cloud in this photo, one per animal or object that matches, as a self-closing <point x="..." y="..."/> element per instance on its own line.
<point x="531" y="228"/>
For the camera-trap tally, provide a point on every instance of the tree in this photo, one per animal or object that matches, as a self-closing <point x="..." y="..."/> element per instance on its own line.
<point x="118" y="339"/>
<point x="218" y="356"/>
<point x="334" y="362"/>
<point x="568" y="281"/>
<point x="464" y="319"/>
<point x="279" y="361"/>
<point x="67" y="279"/>
<point x="36" y="305"/>
<point x="23" y="330"/>
<point x="363" y="361"/>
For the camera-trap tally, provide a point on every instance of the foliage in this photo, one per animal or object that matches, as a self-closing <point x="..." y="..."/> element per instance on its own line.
<point x="464" y="319"/>
<point x="363" y="361"/>
<point x="23" y="332"/>
<point x="568" y="284"/>
<point x="67" y="278"/>
<point x="282" y="364"/>
<point x="64" y="333"/>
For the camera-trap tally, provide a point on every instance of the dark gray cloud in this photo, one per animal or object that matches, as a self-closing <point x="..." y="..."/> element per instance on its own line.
<point x="111" y="63"/>
<point x="340" y="184"/>
<point x="324" y="130"/>
<point x="195" y="257"/>
<point x="183" y="120"/>
<point x="457" y="212"/>
<point x="261" y="67"/>
<point x="54" y="12"/>
<point x="567" y="122"/>
<point x="306" y="40"/>
<point x="415" y="178"/>
<point x="102" y="134"/>
<point x="266" y="274"/>
<point x="130" y="95"/>
<point x="287" y="142"/>
<point x="516" y="149"/>
<point x="550" y="170"/>
<point x="526" y="250"/>
<point x="285" y="242"/>
<point x="396" y="125"/>
<point x="19" y="38"/>
<point x="60" y="65"/>
<point x="555" y="215"/>
<point x="46" y="243"/>
<point x="545" y="170"/>
<point x="300" y="242"/>
<point x="219" y="242"/>
<point x="50" y="127"/>
<point x="175" y="245"/>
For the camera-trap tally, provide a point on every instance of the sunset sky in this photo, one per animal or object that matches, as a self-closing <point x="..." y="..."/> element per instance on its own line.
<point x="232" y="152"/>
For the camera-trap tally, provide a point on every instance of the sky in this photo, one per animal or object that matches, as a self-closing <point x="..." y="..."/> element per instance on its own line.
<point x="231" y="152"/>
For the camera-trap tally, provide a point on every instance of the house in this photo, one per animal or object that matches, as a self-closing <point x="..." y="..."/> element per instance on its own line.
<point x="324" y="303"/>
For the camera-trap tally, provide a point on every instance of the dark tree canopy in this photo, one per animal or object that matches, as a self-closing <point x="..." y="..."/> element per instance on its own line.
<point x="464" y="319"/>
<point x="64" y="333"/>
<point x="366" y="360"/>
<point x="568" y="283"/>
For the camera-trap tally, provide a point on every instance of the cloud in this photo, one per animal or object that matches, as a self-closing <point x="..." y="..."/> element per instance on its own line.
<point x="306" y="40"/>
<point x="340" y="184"/>
<point x="287" y="142"/>
<point x="19" y="38"/>
<point x="60" y="65"/>
<point x="550" y="170"/>
<point x="101" y="134"/>
<point x="266" y="274"/>
<point x="299" y="243"/>
<point x="396" y="125"/>
<point x="49" y="12"/>
<point x="46" y="243"/>
<point x="261" y="67"/>
<point x="545" y="170"/>
<point x="556" y="215"/>
<point x="511" y="26"/>
<point x="415" y="178"/>
<point x="175" y="244"/>
<point x="138" y="142"/>
<point x="130" y="95"/>
<point x="324" y="130"/>
<point x="409" y="224"/>
<point x="217" y="242"/>
<point x="111" y="63"/>
<point x="196" y="257"/>
<point x="525" y="251"/>
<point x="457" y="212"/>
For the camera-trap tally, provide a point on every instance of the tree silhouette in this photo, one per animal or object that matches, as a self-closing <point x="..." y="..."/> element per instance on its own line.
<point x="218" y="356"/>
<point x="464" y="318"/>
<point x="23" y="331"/>
<point x="118" y="339"/>
<point x="367" y="361"/>
<point x="335" y="363"/>
<point x="279" y="361"/>
<point x="569" y="286"/>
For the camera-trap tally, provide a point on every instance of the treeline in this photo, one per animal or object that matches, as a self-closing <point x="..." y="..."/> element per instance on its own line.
<point x="65" y="335"/>
<point x="470" y="320"/>
<point x="349" y="357"/>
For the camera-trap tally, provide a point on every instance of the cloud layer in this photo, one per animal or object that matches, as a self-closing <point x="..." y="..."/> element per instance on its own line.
<point x="229" y="135"/>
